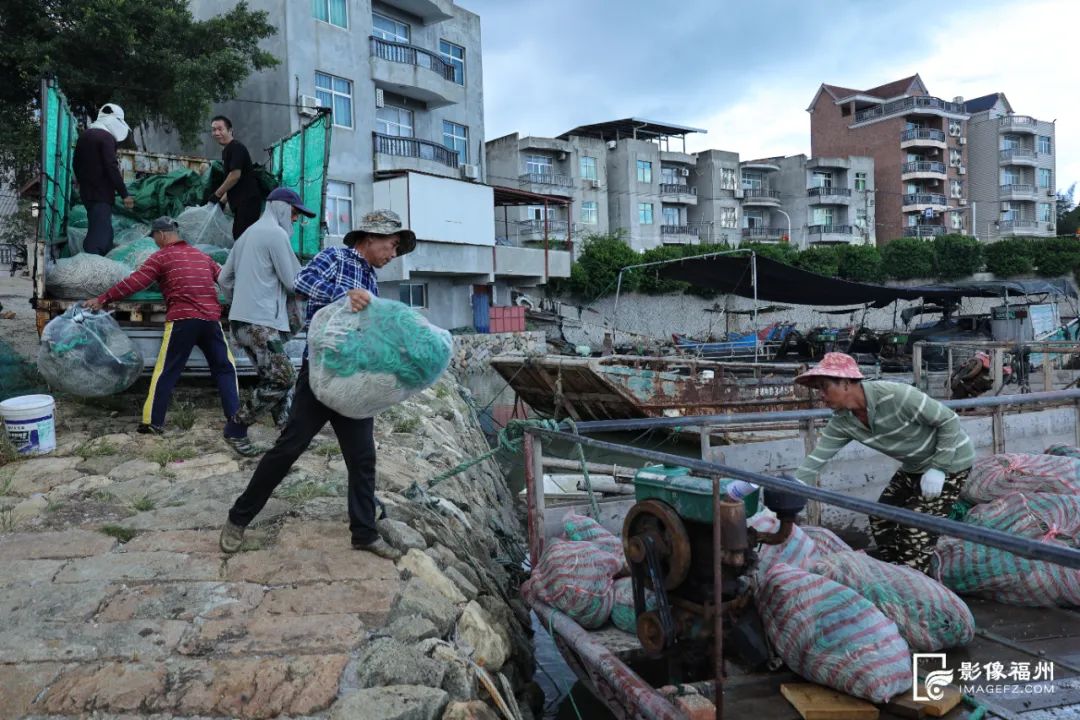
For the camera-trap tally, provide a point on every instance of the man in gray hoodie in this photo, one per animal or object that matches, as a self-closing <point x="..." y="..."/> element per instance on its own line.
<point x="260" y="273"/>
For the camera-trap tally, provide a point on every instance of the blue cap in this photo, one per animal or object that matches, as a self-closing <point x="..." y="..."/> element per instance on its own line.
<point x="290" y="196"/>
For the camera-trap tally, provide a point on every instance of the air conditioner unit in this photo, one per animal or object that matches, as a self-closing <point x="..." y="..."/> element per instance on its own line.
<point x="562" y="156"/>
<point x="963" y="141"/>
<point x="309" y="105"/>
<point x="612" y="144"/>
<point x="470" y="172"/>
<point x="1006" y="207"/>
<point x="962" y="170"/>
<point x="685" y="172"/>
<point x="963" y="201"/>
<point x="590" y="184"/>
<point x="1050" y="193"/>
<point x="380" y="98"/>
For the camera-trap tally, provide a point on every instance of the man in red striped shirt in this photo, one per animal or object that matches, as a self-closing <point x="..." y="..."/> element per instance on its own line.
<point x="186" y="277"/>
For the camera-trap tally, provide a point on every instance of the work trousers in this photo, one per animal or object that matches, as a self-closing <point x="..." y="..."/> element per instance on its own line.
<point x="99" y="230"/>
<point x="265" y="347"/>
<point x="245" y="213"/>
<point x="180" y="338"/>
<point x="306" y="418"/>
<point x="903" y="544"/>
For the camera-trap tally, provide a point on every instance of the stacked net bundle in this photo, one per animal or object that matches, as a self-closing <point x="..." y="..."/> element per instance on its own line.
<point x="85" y="275"/>
<point x="364" y="362"/>
<point x="135" y="253"/>
<point x="87" y="354"/>
<point x="206" y="225"/>
<point x="797" y="550"/>
<point x="583" y="527"/>
<point x="928" y="615"/>
<point x="830" y="634"/>
<point x="623" y="614"/>
<point x="971" y="568"/>
<point x="996" y="476"/>
<point x="130" y="235"/>
<point x="217" y="254"/>
<point x="575" y="578"/>
<point x="1063" y="450"/>
<point x="825" y="540"/>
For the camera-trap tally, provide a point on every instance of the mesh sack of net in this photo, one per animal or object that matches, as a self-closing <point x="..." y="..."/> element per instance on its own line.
<point x="623" y="613"/>
<point x="997" y="476"/>
<point x="86" y="353"/>
<point x="129" y="235"/>
<point x="929" y="615"/>
<point x="217" y="254"/>
<point x="134" y="254"/>
<point x="362" y="363"/>
<point x="206" y="225"/>
<point x="575" y="578"/>
<point x="83" y="276"/>
<point x="76" y="237"/>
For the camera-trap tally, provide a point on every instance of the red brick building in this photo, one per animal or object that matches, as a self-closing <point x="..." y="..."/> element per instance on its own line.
<point x="919" y="146"/>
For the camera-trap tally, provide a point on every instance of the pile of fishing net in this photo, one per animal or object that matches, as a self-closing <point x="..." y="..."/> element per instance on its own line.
<point x="576" y="578"/>
<point x="802" y="548"/>
<point x="87" y="354"/>
<point x="584" y="528"/>
<point x="996" y="476"/>
<point x="83" y="276"/>
<point x="1063" y="450"/>
<point x="623" y="613"/>
<point x="1050" y="518"/>
<point x="362" y="363"/>
<point x="134" y="254"/>
<point x="206" y="225"/>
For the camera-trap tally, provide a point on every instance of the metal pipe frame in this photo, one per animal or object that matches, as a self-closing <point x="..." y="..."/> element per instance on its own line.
<point x="1066" y="557"/>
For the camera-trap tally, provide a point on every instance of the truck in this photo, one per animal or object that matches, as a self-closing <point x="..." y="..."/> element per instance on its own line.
<point x="298" y="161"/>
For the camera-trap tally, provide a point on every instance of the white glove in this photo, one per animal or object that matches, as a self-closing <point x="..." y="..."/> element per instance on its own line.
<point x="932" y="483"/>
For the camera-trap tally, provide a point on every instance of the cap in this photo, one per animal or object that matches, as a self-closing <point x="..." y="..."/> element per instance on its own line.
<point x="163" y="224"/>
<point x="286" y="195"/>
<point x="833" y="365"/>
<point x="383" y="222"/>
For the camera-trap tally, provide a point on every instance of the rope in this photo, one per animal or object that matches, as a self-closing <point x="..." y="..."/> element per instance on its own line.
<point x="585" y="473"/>
<point x="569" y="693"/>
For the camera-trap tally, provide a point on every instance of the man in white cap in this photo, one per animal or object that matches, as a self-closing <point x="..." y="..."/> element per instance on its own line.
<point x="98" y="176"/>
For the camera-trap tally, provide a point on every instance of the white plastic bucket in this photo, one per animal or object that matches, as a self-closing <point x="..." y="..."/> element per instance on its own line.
<point x="29" y="422"/>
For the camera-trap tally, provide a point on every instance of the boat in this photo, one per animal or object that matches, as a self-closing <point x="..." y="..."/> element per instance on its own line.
<point x="622" y="670"/>
<point x="774" y="341"/>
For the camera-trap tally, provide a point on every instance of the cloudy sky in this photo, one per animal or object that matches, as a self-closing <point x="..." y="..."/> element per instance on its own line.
<point x="746" y="71"/>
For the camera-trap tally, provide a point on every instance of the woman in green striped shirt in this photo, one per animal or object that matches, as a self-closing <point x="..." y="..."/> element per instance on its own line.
<point x="907" y="425"/>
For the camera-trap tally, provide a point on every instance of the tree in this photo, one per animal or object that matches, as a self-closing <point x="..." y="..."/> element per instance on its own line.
<point x="149" y="56"/>
<point x="907" y="258"/>
<point x="1010" y="257"/>
<point x="861" y="263"/>
<point x="820" y="259"/>
<point x="1065" y="204"/>
<point x="956" y="256"/>
<point x="596" y="272"/>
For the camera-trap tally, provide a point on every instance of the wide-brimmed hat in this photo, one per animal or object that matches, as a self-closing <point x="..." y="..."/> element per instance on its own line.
<point x="834" y="365"/>
<point x="383" y="222"/>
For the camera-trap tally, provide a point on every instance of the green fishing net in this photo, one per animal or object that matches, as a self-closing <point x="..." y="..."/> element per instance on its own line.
<point x="362" y="363"/>
<point x="87" y="354"/>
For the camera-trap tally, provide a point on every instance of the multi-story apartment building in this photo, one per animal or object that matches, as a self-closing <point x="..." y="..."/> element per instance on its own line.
<point x="1011" y="171"/>
<point x="919" y="146"/>
<point x="404" y="81"/>
<point x="828" y="200"/>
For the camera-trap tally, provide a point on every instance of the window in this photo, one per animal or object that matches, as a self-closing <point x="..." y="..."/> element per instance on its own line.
<point x="860" y="181"/>
<point x="456" y="137"/>
<point x="331" y="11"/>
<point x="588" y="212"/>
<point x="957" y="221"/>
<point x="822" y="216"/>
<point x="754" y="219"/>
<point x="644" y="174"/>
<point x="1044" y="212"/>
<point x="394" y="121"/>
<point x="413" y="294"/>
<point x="821" y="179"/>
<point x="956" y="188"/>
<point x="1011" y="142"/>
<point x="535" y="213"/>
<point x="644" y="213"/>
<point x="913" y="219"/>
<point x="588" y="168"/>
<point x="538" y="164"/>
<point x="454" y="55"/>
<point x="1010" y="214"/>
<point x="389" y="29"/>
<point x="669" y="176"/>
<point x="728" y="218"/>
<point x="727" y="180"/>
<point x="671" y="216"/>
<point x="1046" y="178"/>
<point x="752" y="181"/>
<point x="1044" y="145"/>
<point x="860" y="218"/>
<point x="339" y="202"/>
<point x="336" y="94"/>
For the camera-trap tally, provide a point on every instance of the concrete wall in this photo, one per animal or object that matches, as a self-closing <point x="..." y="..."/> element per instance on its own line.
<point x="713" y="198"/>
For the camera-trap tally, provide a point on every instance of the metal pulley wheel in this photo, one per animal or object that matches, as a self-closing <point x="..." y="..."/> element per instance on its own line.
<point x="659" y="520"/>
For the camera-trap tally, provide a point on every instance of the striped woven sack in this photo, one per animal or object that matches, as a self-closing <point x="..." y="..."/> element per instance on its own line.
<point x="970" y="568"/>
<point x="830" y="634"/>
<point x="1063" y="450"/>
<point x="798" y="550"/>
<point x="929" y="615"/>
<point x="576" y="578"/>
<point x="996" y="476"/>
<point x="825" y="540"/>
<point x="583" y="527"/>
<point x="623" y="615"/>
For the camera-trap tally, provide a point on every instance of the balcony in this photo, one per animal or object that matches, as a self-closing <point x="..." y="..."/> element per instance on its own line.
<point x="1018" y="156"/>
<point x="829" y="196"/>
<point x="678" y="194"/>
<point x="919" y="104"/>
<point x="922" y="137"/>
<point x="674" y="156"/>
<point x="766" y="165"/>
<point x="825" y="234"/>
<point x="1019" y="192"/>
<point x="828" y="162"/>
<point x="1019" y="123"/>
<point x="1023" y="226"/>
<point x="547" y="183"/>
<point x="917" y="202"/>
<point x="406" y="153"/>
<point x="535" y="230"/>
<point x="760" y="196"/>
<point x="680" y="234"/>
<point x="763" y="234"/>
<point x="414" y="72"/>
<point x="430" y="11"/>
<point x="924" y="230"/>
<point x="923" y="170"/>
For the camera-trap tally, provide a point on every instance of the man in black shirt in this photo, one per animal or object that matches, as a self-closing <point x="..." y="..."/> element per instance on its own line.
<point x="240" y="188"/>
<point x="98" y="175"/>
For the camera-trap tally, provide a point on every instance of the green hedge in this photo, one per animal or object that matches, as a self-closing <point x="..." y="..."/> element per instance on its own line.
<point x="947" y="257"/>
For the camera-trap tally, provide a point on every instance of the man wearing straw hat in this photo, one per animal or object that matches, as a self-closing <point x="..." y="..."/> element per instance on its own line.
<point x="907" y="425"/>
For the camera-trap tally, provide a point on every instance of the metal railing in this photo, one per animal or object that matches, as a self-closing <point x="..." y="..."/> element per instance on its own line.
<point x="760" y="193"/>
<point x="680" y="230"/>
<point x="542" y="178"/>
<point x="922" y="134"/>
<point x="1024" y="121"/>
<point x="1012" y="154"/>
<point x="526" y="233"/>
<point x="677" y="189"/>
<point x="924" y="230"/>
<point x="922" y="102"/>
<point x="923" y="166"/>
<point x="411" y="55"/>
<point x="823" y="191"/>
<point x="829" y="229"/>
<point x="1022" y="224"/>
<point x="1018" y="189"/>
<point x="762" y="232"/>
<point x="414" y="148"/>
<point x="925" y="199"/>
